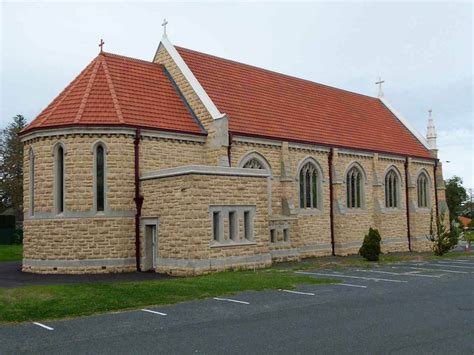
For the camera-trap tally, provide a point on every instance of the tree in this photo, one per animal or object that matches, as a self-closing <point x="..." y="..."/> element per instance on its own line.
<point x="442" y="239"/>
<point x="455" y="196"/>
<point x="370" y="248"/>
<point x="11" y="166"/>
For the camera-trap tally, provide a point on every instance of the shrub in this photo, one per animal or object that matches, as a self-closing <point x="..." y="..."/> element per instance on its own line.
<point x="443" y="240"/>
<point x="370" y="249"/>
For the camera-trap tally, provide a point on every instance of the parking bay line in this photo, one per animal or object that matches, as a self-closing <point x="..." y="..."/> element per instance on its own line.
<point x="442" y="270"/>
<point x="350" y="276"/>
<point x="154" y="312"/>
<point x="399" y="273"/>
<point x="444" y="264"/>
<point x="459" y="262"/>
<point x="230" y="300"/>
<point x="298" y="292"/>
<point x="43" y="326"/>
<point x="351" y="285"/>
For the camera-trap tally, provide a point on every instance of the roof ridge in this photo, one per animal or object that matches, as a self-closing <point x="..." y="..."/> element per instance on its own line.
<point x="108" y="54"/>
<point x="82" y="106"/>
<point x="277" y="73"/>
<point x="118" y="110"/>
<point x="63" y="94"/>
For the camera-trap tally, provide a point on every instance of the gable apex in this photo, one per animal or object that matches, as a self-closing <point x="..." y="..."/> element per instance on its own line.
<point x="192" y="80"/>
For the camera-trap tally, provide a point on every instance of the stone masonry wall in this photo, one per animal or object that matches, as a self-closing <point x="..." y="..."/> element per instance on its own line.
<point x="181" y="204"/>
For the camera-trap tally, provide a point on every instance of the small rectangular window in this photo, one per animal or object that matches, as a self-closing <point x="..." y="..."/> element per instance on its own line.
<point x="272" y="236"/>
<point x="286" y="235"/>
<point x="247" y="228"/>
<point x="232" y="225"/>
<point x="216" y="221"/>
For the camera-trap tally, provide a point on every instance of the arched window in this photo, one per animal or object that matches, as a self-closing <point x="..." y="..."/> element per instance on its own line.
<point x="422" y="190"/>
<point x="391" y="189"/>
<point x="354" y="188"/>
<point x="254" y="163"/>
<point x="309" y="181"/>
<point x="100" y="177"/>
<point x="32" y="182"/>
<point x="59" y="179"/>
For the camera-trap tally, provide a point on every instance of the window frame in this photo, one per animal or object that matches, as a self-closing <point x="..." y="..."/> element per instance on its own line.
<point x="95" y="147"/>
<point x="392" y="183"/>
<point x="59" y="188"/>
<point x="424" y="193"/>
<point x="31" y="187"/>
<point x="355" y="201"/>
<point x="312" y="191"/>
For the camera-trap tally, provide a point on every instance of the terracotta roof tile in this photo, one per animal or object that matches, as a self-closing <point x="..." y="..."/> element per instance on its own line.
<point x="116" y="90"/>
<point x="263" y="103"/>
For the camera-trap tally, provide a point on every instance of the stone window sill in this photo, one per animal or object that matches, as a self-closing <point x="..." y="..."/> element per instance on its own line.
<point x="280" y="243"/>
<point x="309" y="211"/>
<point x="391" y="210"/>
<point x="231" y="243"/>
<point x="356" y="211"/>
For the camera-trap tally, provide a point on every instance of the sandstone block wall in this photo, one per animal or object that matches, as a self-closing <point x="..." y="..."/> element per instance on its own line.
<point x="182" y="206"/>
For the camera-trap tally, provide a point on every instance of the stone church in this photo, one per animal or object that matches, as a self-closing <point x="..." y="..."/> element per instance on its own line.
<point x="190" y="163"/>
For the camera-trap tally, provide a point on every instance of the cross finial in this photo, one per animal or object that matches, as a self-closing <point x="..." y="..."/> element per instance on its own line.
<point x="101" y="45"/>
<point x="379" y="83"/>
<point x="164" y="26"/>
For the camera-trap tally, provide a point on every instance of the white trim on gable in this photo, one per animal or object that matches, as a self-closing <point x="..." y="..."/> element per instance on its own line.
<point x="188" y="74"/>
<point x="406" y="123"/>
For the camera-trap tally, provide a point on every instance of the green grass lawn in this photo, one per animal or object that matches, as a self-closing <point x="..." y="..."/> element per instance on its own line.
<point x="50" y="302"/>
<point x="11" y="252"/>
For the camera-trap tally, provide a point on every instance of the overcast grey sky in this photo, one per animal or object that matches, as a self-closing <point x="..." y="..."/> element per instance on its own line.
<point x="423" y="51"/>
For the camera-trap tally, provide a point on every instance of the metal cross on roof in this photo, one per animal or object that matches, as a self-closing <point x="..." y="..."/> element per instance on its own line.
<point x="379" y="83"/>
<point x="430" y="111"/>
<point x="101" y="45"/>
<point x="164" y="26"/>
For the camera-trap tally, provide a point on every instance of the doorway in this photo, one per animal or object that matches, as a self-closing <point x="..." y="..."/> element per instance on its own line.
<point x="151" y="247"/>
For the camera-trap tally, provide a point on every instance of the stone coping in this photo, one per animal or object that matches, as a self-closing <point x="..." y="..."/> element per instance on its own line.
<point x="204" y="170"/>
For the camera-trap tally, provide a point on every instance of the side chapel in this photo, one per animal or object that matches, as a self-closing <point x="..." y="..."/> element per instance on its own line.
<point x="191" y="163"/>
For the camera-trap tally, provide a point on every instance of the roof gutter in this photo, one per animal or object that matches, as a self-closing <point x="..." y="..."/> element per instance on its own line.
<point x="138" y="197"/>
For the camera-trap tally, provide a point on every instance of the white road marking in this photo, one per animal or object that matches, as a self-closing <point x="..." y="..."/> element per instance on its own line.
<point x="43" y="326"/>
<point x="298" y="292"/>
<point x="460" y="262"/>
<point x="350" y="285"/>
<point x="155" y="312"/>
<point x="230" y="300"/>
<point x="412" y="273"/>
<point x="445" y="264"/>
<point x="350" y="276"/>
<point x="442" y="270"/>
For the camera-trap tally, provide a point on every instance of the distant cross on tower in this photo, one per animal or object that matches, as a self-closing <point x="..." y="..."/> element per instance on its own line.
<point x="430" y="111"/>
<point x="101" y="45"/>
<point x="379" y="83"/>
<point x="164" y="26"/>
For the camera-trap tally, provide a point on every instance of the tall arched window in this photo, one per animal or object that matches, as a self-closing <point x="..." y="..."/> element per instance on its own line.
<point x="391" y="189"/>
<point x="309" y="181"/>
<point x="100" y="177"/>
<point x="422" y="190"/>
<point x="354" y="188"/>
<point x="32" y="182"/>
<point x="59" y="179"/>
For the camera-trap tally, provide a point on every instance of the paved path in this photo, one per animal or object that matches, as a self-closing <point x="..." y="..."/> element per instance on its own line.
<point x="407" y="308"/>
<point x="11" y="276"/>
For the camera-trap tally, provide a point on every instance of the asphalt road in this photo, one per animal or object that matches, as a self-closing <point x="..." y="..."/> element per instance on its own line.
<point x="408" y="308"/>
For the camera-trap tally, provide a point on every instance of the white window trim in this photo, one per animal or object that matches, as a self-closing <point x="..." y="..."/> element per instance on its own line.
<point x="56" y="201"/>
<point x="94" y="147"/>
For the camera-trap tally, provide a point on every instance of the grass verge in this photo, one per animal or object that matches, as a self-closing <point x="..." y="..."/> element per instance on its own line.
<point x="11" y="252"/>
<point x="51" y="302"/>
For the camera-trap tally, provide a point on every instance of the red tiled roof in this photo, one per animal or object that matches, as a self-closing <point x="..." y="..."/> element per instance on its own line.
<point x="263" y="103"/>
<point x="464" y="220"/>
<point x="116" y="90"/>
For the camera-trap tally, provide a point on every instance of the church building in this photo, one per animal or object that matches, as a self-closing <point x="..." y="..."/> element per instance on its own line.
<point x="190" y="164"/>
